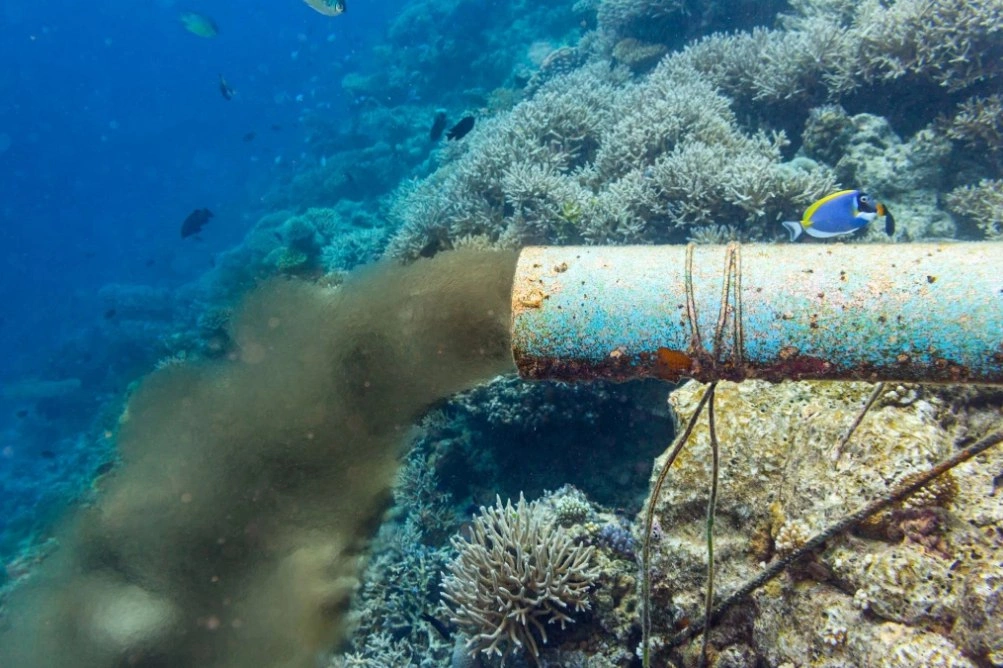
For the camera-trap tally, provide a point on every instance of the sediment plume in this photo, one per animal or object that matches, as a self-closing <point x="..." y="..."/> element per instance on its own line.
<point x="232" y="533"/>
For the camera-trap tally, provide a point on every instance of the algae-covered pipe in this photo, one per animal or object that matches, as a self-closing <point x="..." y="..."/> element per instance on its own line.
<point x="877" y="312"/>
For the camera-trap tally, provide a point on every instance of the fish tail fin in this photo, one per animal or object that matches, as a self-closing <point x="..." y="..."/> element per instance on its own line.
<point x="889" y="219"/>
<point x="794" y="228"/>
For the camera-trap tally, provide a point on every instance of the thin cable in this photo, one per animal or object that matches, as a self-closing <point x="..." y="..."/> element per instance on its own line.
<point x="711" y="511"/>
<point x="875" y="393"/>
<point x="649" y="521"/>
<point x="906" y="487"/>
<point x="696" y="344"/>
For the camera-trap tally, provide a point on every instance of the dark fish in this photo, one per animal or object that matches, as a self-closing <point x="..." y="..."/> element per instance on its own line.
<point x="438" y="125"/>
<point x="149" y="263"/>
<point x="276" y="127"/>
<point x="109" y="314"/>
<point x="48" y="454"/>
<point x="23" y="413"/>
<point x="224" y="89"/>
<point x="460" y="130"/>
<point x="889" y="220"/>
<point x="195" y="221"/>
<point x="440" y="626"/>
<point x="249" y="136"/>
<point x="104" y="468"/>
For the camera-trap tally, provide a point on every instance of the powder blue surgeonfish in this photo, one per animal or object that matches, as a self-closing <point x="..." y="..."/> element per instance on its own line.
<point x="843" y="212"/>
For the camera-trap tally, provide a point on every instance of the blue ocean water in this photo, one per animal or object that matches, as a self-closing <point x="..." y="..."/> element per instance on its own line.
<point x="112" y="130"/>
<point x="116" y="130"/>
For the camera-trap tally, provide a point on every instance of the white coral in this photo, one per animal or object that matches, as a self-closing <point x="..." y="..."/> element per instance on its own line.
<point x="515" y="574"/>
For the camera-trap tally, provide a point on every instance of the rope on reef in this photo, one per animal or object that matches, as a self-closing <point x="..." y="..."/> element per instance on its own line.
<point x="711" y="511"/>
<point x="649" y="520"/>
<point x="731" y="290"/>
<point x="875" y="393"/>
<point x="730" y="286"/>
<point x="907" y="486"/>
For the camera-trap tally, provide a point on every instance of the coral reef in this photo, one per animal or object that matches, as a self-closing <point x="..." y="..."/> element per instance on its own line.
<point x="978" y="122"/>
<point x="511" y="435"/>
<point x="981" y="204"/>
<point x="516" y="574"/>
<point x="904" y="589"/>
<point x="953" y="43"/>
<point x="592" y="158"/>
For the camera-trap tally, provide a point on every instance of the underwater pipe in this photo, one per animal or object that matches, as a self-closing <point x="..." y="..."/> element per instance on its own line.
<point x="874" y="312"/>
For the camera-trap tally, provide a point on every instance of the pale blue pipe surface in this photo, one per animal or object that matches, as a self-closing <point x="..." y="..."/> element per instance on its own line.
<point x="878" y="312"/>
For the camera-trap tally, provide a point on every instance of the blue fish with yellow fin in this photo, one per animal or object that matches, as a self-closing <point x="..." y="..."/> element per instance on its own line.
<point x="843" y="212"/>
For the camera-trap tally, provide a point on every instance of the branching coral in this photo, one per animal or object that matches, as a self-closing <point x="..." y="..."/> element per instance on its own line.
<point x="475" y="191"/>
<point x="955" y="43"/>
<point x="633" y="18"/>
<point x="593" y="158"/>
<point x="979" y="123"/>
<point x="982" y="203"/>
<point x="516" y="574"/>
<point x="828" y="48"/>
<point x="638" y="55"/>
<point x="774" y="65"/>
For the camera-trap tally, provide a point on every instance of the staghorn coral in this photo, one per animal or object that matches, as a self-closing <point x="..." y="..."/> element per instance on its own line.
<point x="381" y="651"/>
<point x="515" y="574"/>
<point x="637" y="55"/>
<point x="399" y="585"/>
<point x="669" y="22"/>
<point x="592" y="158"/>
<point x="978" y="122"/>
<point x="555" y="132"/>
<point x="825" y="50"/>
<point x="953" y="43"/>
<point x="982" y="203"/>
<point x="770" y="65"/>
<point x="417" y="493"/>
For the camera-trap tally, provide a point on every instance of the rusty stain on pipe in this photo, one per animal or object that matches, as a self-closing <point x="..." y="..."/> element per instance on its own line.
<point x="877" y="312"/>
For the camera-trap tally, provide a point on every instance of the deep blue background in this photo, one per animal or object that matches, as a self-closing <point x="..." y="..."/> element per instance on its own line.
<point x="118" y="130"/>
